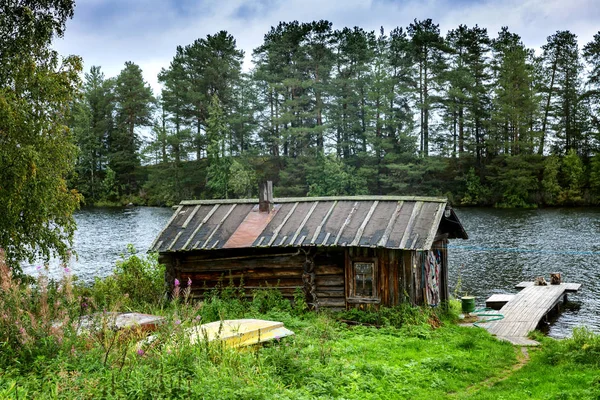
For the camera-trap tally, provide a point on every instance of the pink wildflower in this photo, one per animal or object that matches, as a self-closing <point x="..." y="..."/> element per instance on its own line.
<point x="140" y="352"/>
<point x="189" y="281"/>
<point x="176" y="282"/>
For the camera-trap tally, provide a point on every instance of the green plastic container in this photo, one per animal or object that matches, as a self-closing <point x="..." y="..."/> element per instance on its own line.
<point x="468" y="304"/>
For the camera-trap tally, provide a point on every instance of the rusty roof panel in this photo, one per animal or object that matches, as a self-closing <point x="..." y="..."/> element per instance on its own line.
<point x="271" y="232"/>
<point x="250" y="228"/>
<point x="231" y="224"/>
<point x="365" y="221"/>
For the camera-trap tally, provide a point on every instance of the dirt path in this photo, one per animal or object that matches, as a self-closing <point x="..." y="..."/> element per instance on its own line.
<point x="522" y="354"/>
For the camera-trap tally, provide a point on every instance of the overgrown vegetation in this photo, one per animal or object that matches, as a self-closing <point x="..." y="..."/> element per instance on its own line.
<point x="413" y="353"/>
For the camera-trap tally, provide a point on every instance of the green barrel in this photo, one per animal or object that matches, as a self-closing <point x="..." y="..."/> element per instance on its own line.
<point x="468" y="304"/>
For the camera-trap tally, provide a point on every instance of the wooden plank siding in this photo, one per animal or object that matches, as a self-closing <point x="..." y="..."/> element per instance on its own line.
<point x="398" y="272"/>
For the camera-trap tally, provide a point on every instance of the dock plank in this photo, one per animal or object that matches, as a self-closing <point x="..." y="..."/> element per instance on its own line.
<point x="569" y="287"/>
<point x="523" y="312"/>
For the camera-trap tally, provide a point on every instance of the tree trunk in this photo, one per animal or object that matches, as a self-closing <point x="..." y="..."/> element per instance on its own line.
<point x="547" y="108"/>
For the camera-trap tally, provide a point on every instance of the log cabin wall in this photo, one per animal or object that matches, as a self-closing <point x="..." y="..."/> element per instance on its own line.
<point x="259" y="269"/>
<point x="398" y="275"/>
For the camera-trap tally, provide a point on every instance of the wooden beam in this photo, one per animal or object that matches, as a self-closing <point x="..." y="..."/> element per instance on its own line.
<point x="362" y="227"/>
<point x="204" y="220"/>
<point x="218" y="226"/>
<point x="318" y="231"/>
<point x="311" y="199"/>
<point x="174" y="241"/>
<point x="276" y="231"/>
<point x="175" y="214"/>
<point x="435" y="224"/>
<point x="303" y="222"/>
<point x="283" y="240"/>
<point x="390" y="226"/>
<point x="346" y="222"/>
<point x="410" y="224"/>
<point x="189" y="219"/>
<point x="301" y="240"/>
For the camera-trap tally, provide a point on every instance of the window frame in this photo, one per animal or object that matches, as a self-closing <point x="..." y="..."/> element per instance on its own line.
<point x="352" y="296"/>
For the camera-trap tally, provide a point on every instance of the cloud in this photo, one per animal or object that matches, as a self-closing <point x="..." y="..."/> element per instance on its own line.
<point x="110" y="32"/>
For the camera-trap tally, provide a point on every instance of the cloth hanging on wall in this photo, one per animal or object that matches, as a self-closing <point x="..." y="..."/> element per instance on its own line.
<point x="433" y="268"/>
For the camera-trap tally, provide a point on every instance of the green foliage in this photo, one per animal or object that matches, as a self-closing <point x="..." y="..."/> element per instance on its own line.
<point x="411" y="355"/>
<point x="136" y="281"/>
<point x="403" y="316"/>
<point x="332" y="111"/>
<point x="516" y="180"/>
<point x="329" y="176"/>
<point x="110" y="186"/>
<point x="550" y="182"/>
<point x="219" y="163"/>
<point x="36" y="319"/>
<point x="476" y="192"/>
<point x="574" y="177"/>
<point x="595" y="178"/>
<point x="36" y="149"/>
<point x="134" y="103"/>
<point x="242" y="181"/>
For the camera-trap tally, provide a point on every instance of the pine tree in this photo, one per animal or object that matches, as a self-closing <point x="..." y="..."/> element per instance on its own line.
<point x="514" y="101"/>
<point x="211" y="66"/>
<point x="134" y="109"/>
<point x="591" y="53"/>
<point x="561" y="55"/>
<point x="219" y="160"/>
<point x="428" y="50"/>
<point x="93" y="125"/>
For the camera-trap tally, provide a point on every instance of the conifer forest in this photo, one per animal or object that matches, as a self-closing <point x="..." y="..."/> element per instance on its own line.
<point x="473" y="115"/>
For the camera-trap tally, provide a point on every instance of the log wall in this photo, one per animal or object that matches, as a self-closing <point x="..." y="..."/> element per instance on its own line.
<point x="399" y="277"/>
<point x="259" y="269"/>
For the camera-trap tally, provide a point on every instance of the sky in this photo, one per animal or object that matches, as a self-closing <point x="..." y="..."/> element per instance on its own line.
<point x="107" y="33"/>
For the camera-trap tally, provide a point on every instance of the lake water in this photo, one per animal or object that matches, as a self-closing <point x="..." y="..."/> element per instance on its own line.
<point x="504" y="248"/>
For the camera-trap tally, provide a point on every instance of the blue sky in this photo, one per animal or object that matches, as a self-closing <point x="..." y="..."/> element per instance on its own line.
<point x="109" y="32"/>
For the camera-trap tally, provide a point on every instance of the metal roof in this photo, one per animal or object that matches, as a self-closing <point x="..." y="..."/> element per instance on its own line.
<point x="362" y="221"/>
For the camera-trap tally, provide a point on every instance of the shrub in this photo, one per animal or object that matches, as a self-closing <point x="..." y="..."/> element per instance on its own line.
<point x="136" y="281"/>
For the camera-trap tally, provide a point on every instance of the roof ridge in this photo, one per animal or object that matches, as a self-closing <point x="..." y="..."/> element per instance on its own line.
<point x="314" y="199"/>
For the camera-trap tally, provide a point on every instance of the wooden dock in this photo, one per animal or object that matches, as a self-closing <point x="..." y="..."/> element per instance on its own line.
<point x="524" y="312"/>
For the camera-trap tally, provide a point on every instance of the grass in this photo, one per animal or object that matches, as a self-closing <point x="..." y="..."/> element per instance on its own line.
<point x="413" y="353"/>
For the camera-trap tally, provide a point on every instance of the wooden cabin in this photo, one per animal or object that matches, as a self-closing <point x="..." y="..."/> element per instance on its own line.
<point x="341" y="252"/>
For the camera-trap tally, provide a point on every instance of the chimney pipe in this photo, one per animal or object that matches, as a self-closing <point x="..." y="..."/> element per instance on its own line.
<point x="265" y="197"/>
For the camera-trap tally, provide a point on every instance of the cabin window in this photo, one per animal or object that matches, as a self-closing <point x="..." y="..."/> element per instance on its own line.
<point x="364" y="284"/>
